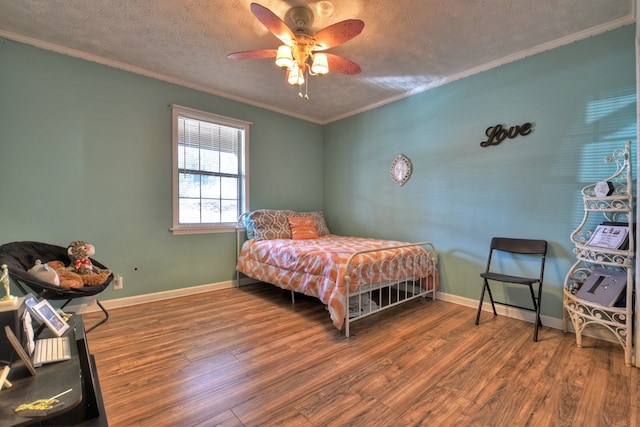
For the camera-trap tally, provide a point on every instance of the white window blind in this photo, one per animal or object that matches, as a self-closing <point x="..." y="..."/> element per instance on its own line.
<point x="210" y="181"/>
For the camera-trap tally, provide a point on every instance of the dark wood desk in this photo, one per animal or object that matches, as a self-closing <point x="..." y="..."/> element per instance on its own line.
<point x="81" y="406"/>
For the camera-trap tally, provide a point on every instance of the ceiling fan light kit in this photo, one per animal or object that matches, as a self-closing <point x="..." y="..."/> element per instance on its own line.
<point x="284" y="57"/>
<point x="295" y="75"/>
<point x="320" y="64"/>
<point x="301" y="54"/>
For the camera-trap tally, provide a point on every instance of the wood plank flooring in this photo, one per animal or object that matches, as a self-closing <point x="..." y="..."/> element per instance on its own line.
<point x="248" y="357"/>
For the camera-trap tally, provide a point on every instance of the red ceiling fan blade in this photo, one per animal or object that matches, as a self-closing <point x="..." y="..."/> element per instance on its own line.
<point x="254" y="54"/>
<point x="274" y="24"/>
<point x="342" y="65"/>
<point x="338" y="33"/>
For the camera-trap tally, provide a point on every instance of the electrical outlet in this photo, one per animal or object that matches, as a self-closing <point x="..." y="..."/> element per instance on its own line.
<point x="117" y="283"/>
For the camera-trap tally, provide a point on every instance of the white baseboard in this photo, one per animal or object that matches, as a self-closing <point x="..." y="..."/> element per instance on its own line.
<point x="512" y="312"/>
<point x="87" y="305"/>
<point x="527" y="316"/>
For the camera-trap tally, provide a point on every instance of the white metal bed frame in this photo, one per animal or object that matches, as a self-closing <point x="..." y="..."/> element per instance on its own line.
<point x="390" y="293"/>
<point x="383" y="295"/>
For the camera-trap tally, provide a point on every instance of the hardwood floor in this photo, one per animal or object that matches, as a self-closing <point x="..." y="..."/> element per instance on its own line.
<point x="248" y="357"/>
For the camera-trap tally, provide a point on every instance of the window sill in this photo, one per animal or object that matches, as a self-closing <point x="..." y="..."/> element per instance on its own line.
<point x="203" y="230"/>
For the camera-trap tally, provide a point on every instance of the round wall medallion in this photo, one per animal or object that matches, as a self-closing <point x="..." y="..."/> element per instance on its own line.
<point x="401" y="169"/>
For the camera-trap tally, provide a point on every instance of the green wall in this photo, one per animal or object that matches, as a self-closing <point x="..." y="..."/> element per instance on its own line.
<point x="86" y="155"/>
<point x="581" y="100"/>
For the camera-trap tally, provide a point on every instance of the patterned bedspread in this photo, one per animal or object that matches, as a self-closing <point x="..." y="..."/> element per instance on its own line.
<point x="316" y="267"/>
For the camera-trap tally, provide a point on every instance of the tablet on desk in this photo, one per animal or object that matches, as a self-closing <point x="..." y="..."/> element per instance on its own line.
<point x="48" y="315"/>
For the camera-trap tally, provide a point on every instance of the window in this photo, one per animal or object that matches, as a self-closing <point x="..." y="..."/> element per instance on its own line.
<point x="210" y="177"/>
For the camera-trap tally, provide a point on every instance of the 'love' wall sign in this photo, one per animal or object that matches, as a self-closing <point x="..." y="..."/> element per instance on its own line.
<point x="496" y="134"/>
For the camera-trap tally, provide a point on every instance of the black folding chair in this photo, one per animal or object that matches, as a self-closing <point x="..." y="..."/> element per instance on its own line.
<point x="531" y="248"/>
<point x="21" y="256"/>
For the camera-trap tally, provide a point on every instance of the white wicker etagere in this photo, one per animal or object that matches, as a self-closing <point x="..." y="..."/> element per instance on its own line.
<point x="617" y="207"/>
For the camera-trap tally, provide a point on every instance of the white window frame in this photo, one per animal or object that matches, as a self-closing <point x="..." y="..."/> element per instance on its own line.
<point x="217" y="227"/>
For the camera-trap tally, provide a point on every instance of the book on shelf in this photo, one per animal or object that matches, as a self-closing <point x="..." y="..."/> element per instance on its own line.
<point x="610" y="235"/>
<point x="604" y="286"/>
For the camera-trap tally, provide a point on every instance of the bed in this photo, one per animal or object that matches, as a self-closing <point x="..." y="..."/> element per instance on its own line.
<point x="354" y="277"/>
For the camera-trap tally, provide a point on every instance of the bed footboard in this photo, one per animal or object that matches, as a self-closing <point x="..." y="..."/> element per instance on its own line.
<point x="404" y="273"/>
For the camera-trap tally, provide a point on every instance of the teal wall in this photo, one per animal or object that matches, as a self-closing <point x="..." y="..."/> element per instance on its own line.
<point x="581" y="100"/>
<point x="86" y="155"/>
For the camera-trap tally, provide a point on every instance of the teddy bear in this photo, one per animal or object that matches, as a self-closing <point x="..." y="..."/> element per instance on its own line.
<point x="55" y="273"/>
<point x="79" y="273"/>
<point x="79" y="253"/>
<point x="67" y="279"/>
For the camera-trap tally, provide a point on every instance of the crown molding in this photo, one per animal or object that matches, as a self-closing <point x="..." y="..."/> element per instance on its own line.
<point x="627" y="20"/>
<point x="572" y="38"/>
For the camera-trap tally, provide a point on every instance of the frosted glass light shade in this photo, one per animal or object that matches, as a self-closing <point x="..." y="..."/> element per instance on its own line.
<point x="320" y="64"/>
<point x="295" y="75"/>
<point x="284" y="58"/>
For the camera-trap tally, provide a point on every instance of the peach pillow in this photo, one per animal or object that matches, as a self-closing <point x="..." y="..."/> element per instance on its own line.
<point x="303" y="227"/>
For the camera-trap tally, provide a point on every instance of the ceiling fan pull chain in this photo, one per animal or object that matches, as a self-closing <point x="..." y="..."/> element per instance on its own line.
<point x="306" y="85"/>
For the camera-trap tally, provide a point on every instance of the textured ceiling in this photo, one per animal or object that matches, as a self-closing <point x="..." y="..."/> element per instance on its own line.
<point x="406" y="45"/>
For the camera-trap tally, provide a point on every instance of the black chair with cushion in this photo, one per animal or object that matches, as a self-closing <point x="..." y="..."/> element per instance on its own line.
<point x="495" y="272"/>
<point x="21" y="256"/>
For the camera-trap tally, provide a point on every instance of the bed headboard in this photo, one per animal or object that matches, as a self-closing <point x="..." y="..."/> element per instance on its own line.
<point x="264" y="224"/>
<point x="268" y="224"/>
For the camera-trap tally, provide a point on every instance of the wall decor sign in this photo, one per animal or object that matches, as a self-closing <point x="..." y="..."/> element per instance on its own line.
<point x="401" y="169"/>
<point x="498" y="133"/>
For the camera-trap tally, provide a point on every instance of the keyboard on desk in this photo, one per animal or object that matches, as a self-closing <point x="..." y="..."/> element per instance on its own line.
<point x="49" y="350"/>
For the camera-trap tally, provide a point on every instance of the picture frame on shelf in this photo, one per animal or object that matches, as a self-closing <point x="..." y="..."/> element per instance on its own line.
<point x="610" y="235"/>
<point x="604" y="286"/>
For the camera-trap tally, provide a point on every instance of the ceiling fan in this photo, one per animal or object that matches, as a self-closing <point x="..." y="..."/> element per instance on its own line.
<point x="302" y="53"/>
